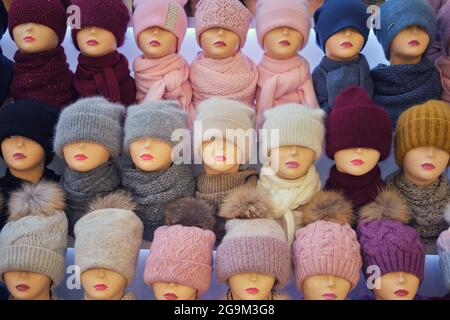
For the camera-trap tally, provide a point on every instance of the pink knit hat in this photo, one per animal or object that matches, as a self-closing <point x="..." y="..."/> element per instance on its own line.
<point x="166" y="14"/>
<point x="228" y="14"/>
<point x="272" y="14"/>
<point x="327" y="245"/>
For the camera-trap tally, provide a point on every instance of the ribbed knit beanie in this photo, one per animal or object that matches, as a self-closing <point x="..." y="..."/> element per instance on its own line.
<point x="444" y="27"/>
<point x="443" y="246"/>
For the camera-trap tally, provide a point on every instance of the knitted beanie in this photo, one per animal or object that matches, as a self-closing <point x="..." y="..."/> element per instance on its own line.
<point x="91" y="119"/>
<point x="157" y="119"/>
<point x="443" y="246"/>
<point x="327" y="244"/>
<point x="254" y="241"/>
<point x="182" y="251"/>
<point x="386" y="239"/>
<point x="30" y="119"/>
<point x="50" y="13"/>
<point x="112" y="15"/>
<point x="166" y="14"/>
<point x="35" y="237"/>
<point x="355" y="121"/>
<point x="444" y="27"/>
<point x="396" y="15"/>
<point x="282" y="13"/>
<point x="424" y="125"/>
<point x="228" y="14"/>
<point x="337" y="15"/>
<point x="109" y="236"/>
<point x="3" y="19"/>
<point x="298" y="125"/>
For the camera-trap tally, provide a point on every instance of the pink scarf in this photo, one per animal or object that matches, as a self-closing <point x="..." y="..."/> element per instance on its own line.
<point x="443" y="66"/>
<point x="283" y="81"/>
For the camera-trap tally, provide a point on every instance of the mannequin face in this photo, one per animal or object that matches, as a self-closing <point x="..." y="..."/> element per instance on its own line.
<point x="173" y="291"/>
<point x="356" y="161"/>
<point x="84" y="156"/>
<point x="251" y="286"/>
<point x="221" y="157"/>
<point x="151" y="154"/>
<point x="409" y="45"/>
<point x="291" y="162"/>
<point x="28" y="285"/>
<point x="96" y="42"/>
<point x="282" y="43"/>
<point x="397" y="286"/>
<point x="22" y="154"/>
<point x="326" y="287"/>
<point x="103" y="284"/>
<point x="155" y="43"/>
<point x="34" y="38"/>
<point x="425" y="165"/>
<point x="344" y="45"/>
<point x="219" y="43"/>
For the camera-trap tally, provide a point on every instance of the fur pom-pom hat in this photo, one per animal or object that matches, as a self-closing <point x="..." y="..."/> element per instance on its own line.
<point x="443" y="246"/>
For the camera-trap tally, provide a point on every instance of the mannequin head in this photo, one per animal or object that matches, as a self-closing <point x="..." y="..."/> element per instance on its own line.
<point x="34" y="38"/>
<point x="344" y="45"/>
<point x="220" y="156"/>
<point x="173" y="291"/>
<point x="283" y="43"/>
<point x="156" y="42"/>
<point x="96" y="42"/>
<point x="397" y="286"/>
<point x="84" y="156"/>
<point x="251" y="286"/>
<point x="28" y="285"/>
<point x="326" y="287"/>
<point x="103" y="284"/>
<point x="291" y="162"/>
<point x="219" y="43"/>
<point x="150" y="154"/>
<point x="356" y="161"/>
<point x="409" y="45"/>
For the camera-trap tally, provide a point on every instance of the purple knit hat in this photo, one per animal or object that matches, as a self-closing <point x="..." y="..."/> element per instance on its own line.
<point x="444" y="27"/>
<point x="443" y="246"/>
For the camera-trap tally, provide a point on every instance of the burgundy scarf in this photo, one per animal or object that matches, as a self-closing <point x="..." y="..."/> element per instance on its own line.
<point x="108" y="76"/>
<point x="44" y="76"/>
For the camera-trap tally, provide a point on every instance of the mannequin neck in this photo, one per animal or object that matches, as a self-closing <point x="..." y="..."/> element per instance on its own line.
<point x="209" y="171"/>
<point x="32" y="175"/>
<point x="396" y="59"/>
<point x="232" y="297"/>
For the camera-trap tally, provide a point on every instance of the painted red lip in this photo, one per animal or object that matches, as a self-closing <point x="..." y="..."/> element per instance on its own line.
<point x="414" y="43"/>
<point x="19" y="156"/>
<point x="155" y="43"/>
<point x="428" y="166"/>
<point x="329" y="296"/>
<point x="401" y="293"/>
<point x="220" y="44"/>
<point x="92" y="42"/>
<point x="252" y="290"/>
<point x="22" y="287"/>
<point x="220" y="158"/>
<point x="357" y="162"/>
<point x="29" y="39"/>
<point x="147" y="157"/>
<point x="347" y="44"/>
<point x="292" y="164"/>
<point x="80" y="157"/>
<point x="284" y="43"/>
<point x="101" y="287"/>
<point x="170" y="296"/>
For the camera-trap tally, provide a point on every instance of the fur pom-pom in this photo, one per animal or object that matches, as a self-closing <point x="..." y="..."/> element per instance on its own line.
<point x="190" y="212"/>
<point x="387" y="206"/>
<point x="447" y="214"/>
<point x="116" y="200"/>
<point x="330" y="206"/>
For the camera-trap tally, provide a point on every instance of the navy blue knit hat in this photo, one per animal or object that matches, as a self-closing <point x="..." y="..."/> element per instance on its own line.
<point x="397" y="15"/>
<point x="336" y="15"/>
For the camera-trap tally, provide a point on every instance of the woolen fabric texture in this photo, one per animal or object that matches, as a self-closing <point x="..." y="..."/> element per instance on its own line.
<point x="443" y="67"/>
<point x="443" y="245"/>
<point x="439" y="7"/>
<point x="444" y="27"/>
<point x="5" y="63"/>
<point x="3" y="19"/>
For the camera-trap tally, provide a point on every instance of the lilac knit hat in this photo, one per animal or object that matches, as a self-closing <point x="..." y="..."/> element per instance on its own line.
<point x="228" y="14"/>
<point x="443" y="245"/>
<point x="327" y="245"/>
<point x="254" y="241"/>
<point x="386" y="240"/>
<point x="444" y="27"/>
<point x="182" y="252"/>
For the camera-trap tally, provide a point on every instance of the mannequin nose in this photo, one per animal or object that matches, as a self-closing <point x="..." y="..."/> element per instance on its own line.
<point x="155" y="30"/>
<point x="430" y="152"/>
<point x="101" y="273"/>
<point x="347" y="32"/>
<point x="415" y="29"/>
<point x="220" y="31"/>
<point x="293" y="151"/>
<point x="401" y="278"/>
<point x="23" y="274"/>
<point x="92" y="30"/>
<point x="20" y="142"/>
<point x="359" y="150"/>
<point x="285" y="31"/>
<point x="172" y="285"/>
<point x="29" y="27"/>
<point x="81" y="145"/>
<point x="253" y="277"/>
<point x="330" y="281"/>
<point x="147" y="145"/>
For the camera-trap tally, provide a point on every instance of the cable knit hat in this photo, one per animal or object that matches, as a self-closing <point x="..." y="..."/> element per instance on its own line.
<point x="35" y="237"/>
<point x="182" y="251"/>
<point x="401" y="14"/>
<point x="443" y="246"/>
<point x="327" y="244"/>
<point x="166" y="14"/>
<point x="109" y="236"/>
<point x="254" y="241"/>
<point x="355" y="121"/>
<point x="424" y="125"/>
<point x="298" y="125"/>
<point x="91" y="119"/>
<point x="228" y="14"/>
<point x="153" y="119"/>
<point x="50" y="13"/>
<point x="386" y="239"/>
<point x="444" y="27"/>
<point x="272" y="14"/>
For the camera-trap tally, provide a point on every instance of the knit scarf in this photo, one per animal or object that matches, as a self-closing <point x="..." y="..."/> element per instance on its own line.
<point x="152" y="191"/>
<point x="283" y="81"/>
<point x="108" y="76"/>
<point x="82" y="187"/>
<point x="400" y="87"/>
<point x="43" y="76"/>
<point x="443" y="66"/>
<point x="6" y="67"/>
<point x="288" y="195"/>
<point x="232" y="78"/>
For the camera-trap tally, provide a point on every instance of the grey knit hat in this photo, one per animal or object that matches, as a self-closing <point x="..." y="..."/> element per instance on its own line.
<point x="157" y="119"/>
<point x="109" y="236"/>
<point x="91" y="119"/>
<point x="35" y="237"/>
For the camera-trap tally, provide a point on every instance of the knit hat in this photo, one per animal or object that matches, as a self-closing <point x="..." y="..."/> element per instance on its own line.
<point x="30" y="119"/>
<point x="50" y="13"/>
<point x="35" y="237"/>
<point x="228" y="14"/>
<point x="109" y="236"/>
<point x="298" y="125"/>
<point x="386" y="239"/>
<point x="336" y="15"/>
<point x="401" y="14"/>
<point x="157" y="119"/>
<point x="443" y="246"/>
<point x="424" y="125"/>
<point x="327" y="244"/>
<point x="3" y="19"/>
<point x="272" y="14"/>
<point x="254" y="241"/>
<point x="182" y="251"/>
<point x="166" y="14"/>
<point x="112" y="15"/>
<point x="355" y="121"/>
<point x="444" y="27"/>
<point x="91" y="119"/>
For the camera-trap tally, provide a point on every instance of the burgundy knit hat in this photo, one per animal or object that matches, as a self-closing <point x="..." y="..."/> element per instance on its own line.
<point x="357" y="122"/>
<point x="50" y="13"/>
<point x="112" y="15"/>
